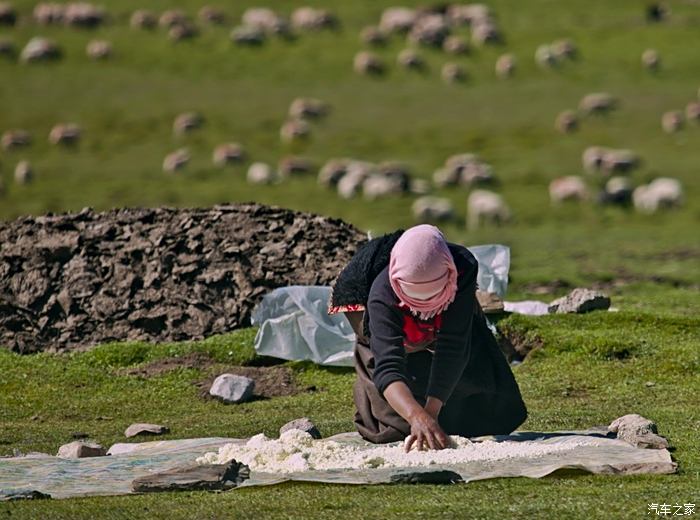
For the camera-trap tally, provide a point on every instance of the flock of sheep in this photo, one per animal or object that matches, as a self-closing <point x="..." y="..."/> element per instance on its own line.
<point x="608" y="168"/>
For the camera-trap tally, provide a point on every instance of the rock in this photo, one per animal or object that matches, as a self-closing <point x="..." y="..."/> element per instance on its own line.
<point x="145" y="429"/>
<point x="207" y="477"/>
<point x="304" y="424"/>
<point x="638" y="431"/>
<point x="80" y="449"/>
<point x="232" y="388"/>
<point x="579" y="301"/>
<point x="23" y="494"/>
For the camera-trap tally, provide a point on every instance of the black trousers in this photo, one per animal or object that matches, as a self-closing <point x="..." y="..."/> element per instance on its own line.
<point x="486" y="400"/>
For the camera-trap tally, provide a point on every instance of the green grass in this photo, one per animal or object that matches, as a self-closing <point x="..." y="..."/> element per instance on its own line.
<point x="590" y="369"/>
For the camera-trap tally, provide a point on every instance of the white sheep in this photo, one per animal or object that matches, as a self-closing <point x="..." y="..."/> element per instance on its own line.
<point x="598" y="103"/>
<point x="15" y="138"/>
<point x="569" y="188"/>
<point x="651" y="59"/>
<point x="312" y="19"/>
<point x="505" y="66"/>
<point x="672" y="121"/>
<point x="453" y="73"/>
<point x="187" y="122"/>
<point x="40" y="49"/>
<point x="661" y="193"/>
<point x="65" y="134"/>
<point x="309" y="108"/>
<point x="486" y="207"/>
<point x="432" y="209"/>
<point x="143" y="19"/>
<point x="228" y="153"/>
<point x="261" y="173"/>
<point x="295" y="130"/>
<point x="368" y="63"/>
<point x="98" y="49"/>
<point x="23" y="172"/>
<point x="410" y="59"/>
<point x="566" y="122"/>
<point x="176" y="160"/>
<point x="397" y="19"/>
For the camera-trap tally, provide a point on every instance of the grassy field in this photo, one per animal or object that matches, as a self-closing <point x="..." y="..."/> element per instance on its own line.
<point x="591" y="368"/>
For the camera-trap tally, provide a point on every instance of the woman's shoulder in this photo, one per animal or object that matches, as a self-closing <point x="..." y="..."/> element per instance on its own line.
<point x="466" y="263"/>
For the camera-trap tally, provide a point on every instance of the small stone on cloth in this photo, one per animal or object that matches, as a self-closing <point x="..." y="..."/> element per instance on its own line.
<point x="304" y="424"/>
<point x="231" y="388"/>
<point x="194" y="477"/>
<point x="638" y="431"/>
<point x="579" y="301"/>
<point x="80" y="449"/>
<point x="145" y="428"/>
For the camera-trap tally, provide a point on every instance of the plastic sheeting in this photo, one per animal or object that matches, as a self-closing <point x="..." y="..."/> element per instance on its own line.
<point x="295" y="325"/>
<point x="112" y="475"/>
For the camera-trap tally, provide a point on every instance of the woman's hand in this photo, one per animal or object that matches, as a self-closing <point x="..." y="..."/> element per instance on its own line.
<point x="425" y="430"/>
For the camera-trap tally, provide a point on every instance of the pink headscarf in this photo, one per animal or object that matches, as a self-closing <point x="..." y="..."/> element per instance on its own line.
<point x="422" y="271"/>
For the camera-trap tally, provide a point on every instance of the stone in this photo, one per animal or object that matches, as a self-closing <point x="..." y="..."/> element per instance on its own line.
<point x="23" y="494"/>
<point x="638" y="431"/>
<point x="232" y="388"/>
<point x="579" y="301"/>
<point x="206" y="477"/>
<point x="145" y="429"/>
<point x="304" y="424"/>
<point x="80" y="449"/>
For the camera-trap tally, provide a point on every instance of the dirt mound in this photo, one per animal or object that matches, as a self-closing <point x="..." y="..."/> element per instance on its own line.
<point x="274" y="381"/>
<point x="75" y="280"/>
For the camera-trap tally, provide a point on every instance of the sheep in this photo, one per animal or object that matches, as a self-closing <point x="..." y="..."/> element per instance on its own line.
<point x="357" y="171"/>
<point x="564" y="49"/>
<point x="244" y="35"/>
<point x="182" y="31"/>
<point x="598" y="103"/>
<point x="48" y="13"/>
<point x="261" y="173"/>
<point x="8" y="15"/>
<point x="266" y="20"/>
<point x="618" y="190"/>
<point x="82" y="14"/>
<point x="376" y="186"/>
<point x="410" y="59"/>
<point x="295" y="130"/>
<point x="592" y="158"/>
<point x="485" y="32"/>
<point x="65" y="134"/>
<point x="15" y="138"/>
<point x="171" y="18"/>
<point x="419" y="186"/>
<point x="486" y="207"/>
<point x="566" y="122"/>
<point x="606" y="160"/>
<point x="453" y="73"/>
<point x="309" y="108"/>
<point x="332" y="172"/>
<point x="372" y="35"/>
<point x="464" y="169"/>
<point x="570" y="188"/>
<point x="430" y="29"/>
<point x="176" y="160"/>
<point x="40" y="49"/>
<point x="23" y="172"/>
<point x="468" y="14"/>
<point x="311" y="19"/>
<point x="455" y="45"/>
<point x="692" y="111"/>
<point x="292" y="165"/>
<point x="143" y="19"/>
<point x="672" y="121"/>
<point x="228" y="153"/>
<point x="98" y="49"/>
<point x="430" y="209"/>
<point x="186" y="122"/>
<point x="505" y="66"/>
<point x="661" y="193"/>
<point x="651" y="60"/>
<point x="211" y="15"/>
<point x="7" y="48"/>
<point x="368" y="63"/>
<point x="397" y="19"/>
<point x="544" y="57"/>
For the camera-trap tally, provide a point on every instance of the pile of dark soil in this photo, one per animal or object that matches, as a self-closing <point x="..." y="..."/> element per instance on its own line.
<point x="75" y="280"/>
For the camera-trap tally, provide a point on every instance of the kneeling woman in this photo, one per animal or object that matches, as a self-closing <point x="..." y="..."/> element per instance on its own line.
<point x="426" y="363"/>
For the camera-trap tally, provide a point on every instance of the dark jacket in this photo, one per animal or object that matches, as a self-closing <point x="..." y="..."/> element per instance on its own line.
<point x="387" y="324"/>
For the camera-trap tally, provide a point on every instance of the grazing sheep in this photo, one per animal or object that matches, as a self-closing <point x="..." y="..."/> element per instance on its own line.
<point x="429" y="209"/>
<point x="372" y="35"/>
<point x="544" y="57"/>
<point x="397" y="19"/>
<point x="40" y="49"/>
<point x="99" y="49"/>
<point x="244" y="35"/>
<point x="211" y="15"/>
<point x="182" y="31"/>
<point x="332" y="172"/>
<point x="430" y="29"/>
<point x="171" y="18"/>
<point x="453" y="73"/>
<point x="176" y="160"/>
<point x="443" y="177"/>
<point x="266" y="20"/>
<point x="564" y="49"/>
<point x="598" y="103"/>
<point x="570" y="188"/>
<point x="377" y="185"/>
<point x="651" y="60"/>
<point x="292" y="165"/>
<point x="295" y="130"/>
<point x="228" y="153"/>
<point x="618" y="190"/>
<point x="410" y="59"/>
<point x="464" y="169"/>
<point x="309" y="108"/>
<point x="8" y="15"/>
<point x="455" y="45"/>
<point x="566" y="122"/>
<point x="356" y="172"/>
<point x="7" y="48"/>
<point x="368" y="63"/>
<point x="261" y="173"/>
<point x="15" y="139"/>
<point x="312" y="19"/>
<point x="419" y="186"/>
<point x="48" y="13"/>
<point x="692" y="111"/>
<point x="65" y="134"/>
<point x="619" y="161"/>
<point x="661" y="193"/>
<point x="468" y="14"/>
<point x="672" y="121"/>
<point x="83" y="14"/>
<point x="186" y="122"/>
<point x="23" y="173"/>
<point x="505" y="66"/>
<point x="485" y="32"/>
<point x="486" y="207"/>
<point x="592" y="158"/>
<point x="143" y="19"/>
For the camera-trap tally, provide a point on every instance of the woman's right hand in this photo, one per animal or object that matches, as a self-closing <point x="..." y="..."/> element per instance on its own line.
<point x="425" y="430"/>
